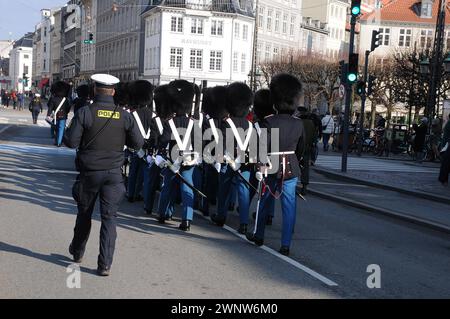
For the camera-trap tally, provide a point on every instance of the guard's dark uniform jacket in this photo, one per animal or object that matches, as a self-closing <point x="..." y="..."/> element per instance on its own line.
<point x="53" y="104"/>
<point x="106" y="151"/>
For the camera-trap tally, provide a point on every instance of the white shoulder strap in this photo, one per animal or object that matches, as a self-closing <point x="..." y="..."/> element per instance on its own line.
<point x="182" y="145"/>
<point x="242" y="146"/>
<point x="200" y="120"/>
<point x="214" y="130"/>
<point x="58" y="108"/>
<point x="159" y="124"/>
<point x="146" y="136"/>
<point x="258" y="128"/>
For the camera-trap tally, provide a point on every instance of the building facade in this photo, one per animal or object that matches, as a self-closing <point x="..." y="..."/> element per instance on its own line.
<point x="88" y="28"/>
<point x="71" y="41"/>
<point x="21" y="57"/>
<point x="56" y="52"/>
<point x="314" y="37"/>
<point x="42" y="51"/>
<point x="208" y="41"/>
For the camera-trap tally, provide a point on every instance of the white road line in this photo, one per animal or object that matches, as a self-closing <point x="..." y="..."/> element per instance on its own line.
<point x="37" y="170"/>
<point x="290" y="261"/>
<point x="338" y="184"/>
<point x="23" y="120"/>
<point x="5" y="128"/>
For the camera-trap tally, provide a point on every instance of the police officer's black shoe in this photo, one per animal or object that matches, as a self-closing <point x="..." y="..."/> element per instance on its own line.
<point x="251" y="237"/>
<point x="103" y="272"/>
<point x="242" y="229"/>
<point x="269" y="221"/>
<point x="284" y="250"/>
<point x="77" y="257"/>
<point x="218" y="220"/>
<point x="185" y="225"/>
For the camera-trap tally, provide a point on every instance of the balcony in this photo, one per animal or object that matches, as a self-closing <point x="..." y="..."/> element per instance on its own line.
<point x="230" y="6"/>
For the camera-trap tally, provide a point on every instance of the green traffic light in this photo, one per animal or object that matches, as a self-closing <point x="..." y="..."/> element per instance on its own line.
<point x="352" y="77"/>
<point x="356" y="11"/>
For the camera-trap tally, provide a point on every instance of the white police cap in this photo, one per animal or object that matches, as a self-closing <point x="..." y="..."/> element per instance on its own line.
<point x="104" y="79"/>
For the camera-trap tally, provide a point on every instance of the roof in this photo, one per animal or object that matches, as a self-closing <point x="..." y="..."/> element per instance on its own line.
<point x="404" y="11"/>
<point x="25" y="41"/>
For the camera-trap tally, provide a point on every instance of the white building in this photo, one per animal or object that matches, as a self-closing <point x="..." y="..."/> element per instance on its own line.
<point x="20" y="63"/>
<point x="198" y="41"/>
<point x="56" y="51"/>
<point x="334" y="14"/>
<point x="71" y="41"/>
<point x="88" y="28"/>
<point x="42" y="49"/>
<point x="314" y="37"/>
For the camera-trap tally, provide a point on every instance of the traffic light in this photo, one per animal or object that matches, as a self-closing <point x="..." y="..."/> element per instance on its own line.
<point x="360" y="88"/>
<point x="343" y="68"/>
<point x="91" y="37"/>
<point x="376" y="40"/>
<point x="24" y="79"/>
<point x="370" y="84"/>
<point x="352" y="74"/>
<point x="356" y="8"/>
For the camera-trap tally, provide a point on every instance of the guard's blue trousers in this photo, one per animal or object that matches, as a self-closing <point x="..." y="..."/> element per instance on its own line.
<point x="135" y="177"/>
<point x="151" y="183"/>
<point x="226" y="177"/>
<point x="270" y="207"/>
<point x="288" y="206"/>
<point x="168" y="193"/>
<point x="60" y="128"/>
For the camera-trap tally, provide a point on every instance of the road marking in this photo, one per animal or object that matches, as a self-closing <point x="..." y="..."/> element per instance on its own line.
<point x="338" y="184"/>
<point x="290" y="261"/>
<point x="21" y="148"/>
<point x="37" y="170"/>
<point x="23" y="120"/>
<point x="4" y="129"/>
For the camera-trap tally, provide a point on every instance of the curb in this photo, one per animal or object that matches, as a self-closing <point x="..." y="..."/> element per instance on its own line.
<point x="5" y="128"/>
<point x="341" y="176"/>
<point x="390" y="213"/>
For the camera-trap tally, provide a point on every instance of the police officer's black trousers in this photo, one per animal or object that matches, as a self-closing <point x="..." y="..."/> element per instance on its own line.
<point x="110" y="187"/>
<point x="445" y="166"/>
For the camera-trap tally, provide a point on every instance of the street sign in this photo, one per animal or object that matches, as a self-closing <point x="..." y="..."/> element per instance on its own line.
<point x="342" y="91"/>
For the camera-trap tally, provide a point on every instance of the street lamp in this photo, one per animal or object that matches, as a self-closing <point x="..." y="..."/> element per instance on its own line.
<point x="425" y="66"/>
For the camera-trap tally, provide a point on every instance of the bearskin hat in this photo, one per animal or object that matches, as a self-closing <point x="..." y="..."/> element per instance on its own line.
<point x="285" y="90"/>
<point x="182" y="94"/>
<point x="83" y="91"/>
<point x="141" y="93"/>
<point x="215" y="102"/>
<point x="122" y="94"/>
<point x="239" y="99"/>
<point x="60" y="89"/>
<point x="162" y="102"/>
<point x="263" y="104"/>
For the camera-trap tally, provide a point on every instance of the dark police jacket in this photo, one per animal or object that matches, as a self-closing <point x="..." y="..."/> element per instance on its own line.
<point x="106" y="151"/>
<point x="291" y="138"/>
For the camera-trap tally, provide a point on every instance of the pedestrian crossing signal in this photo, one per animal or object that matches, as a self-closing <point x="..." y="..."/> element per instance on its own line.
<point x="356" y="7"/>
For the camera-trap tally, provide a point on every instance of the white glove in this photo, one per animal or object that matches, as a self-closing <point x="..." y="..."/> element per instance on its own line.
<point x="160" y="161"/>
<point x="218" y="167"/>
<point x="175" y="167"/>
<point x="259" y="176"/>
<point x="150" y="160"/>
<point x="140" y="153"/>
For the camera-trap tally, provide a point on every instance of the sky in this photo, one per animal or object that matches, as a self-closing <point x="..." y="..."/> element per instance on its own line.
<point x="21" y="16"/>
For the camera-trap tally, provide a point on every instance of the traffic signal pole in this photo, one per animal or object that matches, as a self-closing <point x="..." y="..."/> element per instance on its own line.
<point x="348" y="98"/>
<point x="363" y="104"/>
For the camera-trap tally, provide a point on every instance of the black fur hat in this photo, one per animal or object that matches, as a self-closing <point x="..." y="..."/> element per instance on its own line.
<point x="162" y="102"/>
<point x="83" y="91"/>
<point x="122" y="95"/>
<point x="182" y="94"/>
<point x="141" y="93"/>
<point x="215" y="102"/>
<point x="239" y="99"/>
<point x="263" y="104"/>
<point x="285" y="90"/>
<point x="60" y="89"/>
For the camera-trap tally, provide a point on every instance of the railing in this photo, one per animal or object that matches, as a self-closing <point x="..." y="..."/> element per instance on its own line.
<point x="211" y="5"/>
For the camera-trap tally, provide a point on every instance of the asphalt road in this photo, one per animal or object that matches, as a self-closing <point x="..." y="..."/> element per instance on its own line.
<point x="333" y="244"/>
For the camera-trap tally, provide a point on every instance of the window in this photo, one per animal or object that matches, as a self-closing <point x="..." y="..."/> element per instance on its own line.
<point x="426" y="10"/>
<point x="285" y="19"/>
<point x="448" y="40"/>
<point x="176" y="24"/>
<point x="245" y="32"/>
<point x="25" y="69"/>
<point x="26" y="56"/>
<point x="276" y="51"/>
<point x="277" y="21"/>
<point x="405" y="38"/>
<point x="45" y="64"/>
<point x="385" y="36"/>
<point x="176" y="57"/>
<point x="45" y="47"/>
<point x="215" y="61"/>
<point x="292" y="29"/>
<point x="237" y="28"/>
<point x="45" y="31"/>
<point x="426" y="38"/>
<point x="196" y="59"/>
<point x="243" y="62"/>
<point x="235" y="61"/>
<point x="196" y="26"/>
<point x="267" y="55"/>
<point x="269" y="19"/>
<point x="217" y="27"/>
<point x="261" y="17"/>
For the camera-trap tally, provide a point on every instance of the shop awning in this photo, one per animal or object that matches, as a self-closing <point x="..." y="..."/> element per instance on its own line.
<point x="43" y="82"/>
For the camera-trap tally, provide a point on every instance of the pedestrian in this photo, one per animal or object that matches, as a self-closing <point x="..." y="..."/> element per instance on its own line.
<point x="14" y="99"/>
<point x="99" y="132"/>
<point x="286" y="92"/>
<point x="35" y="107"/>
<point x="82" y="99"/>
<point x="237" y="164"/>
<point x="21" y="100"/>
<point x="314" y="116"/>
<point x="310" y="137"/>
<point x="445" y="155"/>
<point x="327" y="130"/>
<point x="58" y="109"/>
<point x="419" y="141"/>
<point x="176" y="157"/>
<point x="7" y="99"/>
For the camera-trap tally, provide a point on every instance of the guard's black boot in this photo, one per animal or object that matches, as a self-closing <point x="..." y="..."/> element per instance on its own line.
<point x="103" y="272"/>
<point x="254" y="215"/>
<point x="162" y="219"/>
<point x="284" y="250"/>
<point x="218" y="220"/>
<point x="269" y="220"/>
<point x="185" y="225"/>
<point x="242" y="229"/>
<point x="258" y="241"/>
<point x="148" y="211"/>
<point x="77" y="257"/>
<point x="303" y="191"/>
<point x="231" y="207"/>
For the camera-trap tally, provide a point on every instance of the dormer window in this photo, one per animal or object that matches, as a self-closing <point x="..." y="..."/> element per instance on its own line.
<point x="426" y="9"/>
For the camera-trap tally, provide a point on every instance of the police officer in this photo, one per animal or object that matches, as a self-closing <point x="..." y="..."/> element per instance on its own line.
<point x="285" y="91"/>
<point x="99" y="132"/>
